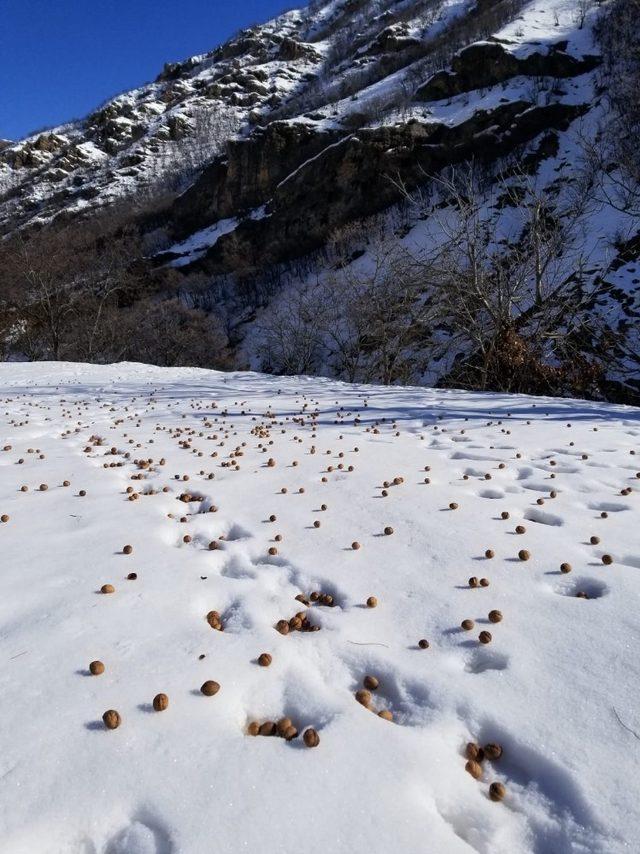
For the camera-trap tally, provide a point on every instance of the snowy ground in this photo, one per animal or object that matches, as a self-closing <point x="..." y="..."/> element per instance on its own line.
<point x="556" y="687"/>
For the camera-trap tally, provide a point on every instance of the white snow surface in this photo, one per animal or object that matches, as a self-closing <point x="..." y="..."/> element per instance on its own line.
<point x="197" y="244"/>
<point x="556" y="687"/>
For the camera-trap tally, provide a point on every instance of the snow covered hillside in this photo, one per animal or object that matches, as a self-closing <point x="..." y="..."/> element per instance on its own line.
<point x="437" y="589"/>
<point x="275" y="184"/>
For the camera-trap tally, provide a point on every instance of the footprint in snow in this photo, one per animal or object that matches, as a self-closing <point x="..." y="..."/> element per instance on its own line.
<point x="543" y="517"/>
<point x="486" y="659"/>
<point x="609" y="506"/>
<point x="491" y="493"/>
<point x="547" y="794"/>
<point x="140" y="838"/>
<point x="592" y="587"/>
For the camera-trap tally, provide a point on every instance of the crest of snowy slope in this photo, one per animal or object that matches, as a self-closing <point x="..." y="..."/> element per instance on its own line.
<point x="465" y="566"/>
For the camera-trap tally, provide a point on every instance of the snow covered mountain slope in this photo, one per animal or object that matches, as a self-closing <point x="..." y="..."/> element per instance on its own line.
<point x="323" y="70"/>
<point x="294" y="86"/>
<point x="304" y="150"/>
<point x="234" y="501"/>
<point x="151" y="139"/>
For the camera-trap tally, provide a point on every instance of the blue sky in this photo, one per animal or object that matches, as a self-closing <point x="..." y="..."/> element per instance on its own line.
<point x="61" y="58"/>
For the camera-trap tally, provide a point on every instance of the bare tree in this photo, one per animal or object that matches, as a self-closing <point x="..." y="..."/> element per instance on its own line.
<point x="168" y="333"/>
<point x="60" y="282"/>
<point x="583" y="7"/>
<point x="368" y="323"/>
<point x="291" y="333"/>
<point x="383" y="324"/>
<point x="506" y="273"/>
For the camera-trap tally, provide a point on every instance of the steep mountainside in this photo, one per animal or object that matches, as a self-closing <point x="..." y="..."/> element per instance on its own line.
<point x="249" y="166"/>
<point x="278" y="95"/>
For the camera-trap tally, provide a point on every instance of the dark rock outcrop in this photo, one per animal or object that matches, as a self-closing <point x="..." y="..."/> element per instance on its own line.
<point x="249" y="173"/>
<point x="347" y="179"/>
<point x="485" y="64"/>
<point x="391" y="40"/>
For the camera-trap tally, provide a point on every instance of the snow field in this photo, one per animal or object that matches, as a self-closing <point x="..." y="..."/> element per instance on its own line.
<point x="555" y="687"/>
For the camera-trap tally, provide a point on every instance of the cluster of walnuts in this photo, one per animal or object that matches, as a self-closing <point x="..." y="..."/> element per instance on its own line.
<point x="475" y="756"/>
<point x="300" y="622"/>
<point x="283" y="728"/>
<point x="365" y="697"/>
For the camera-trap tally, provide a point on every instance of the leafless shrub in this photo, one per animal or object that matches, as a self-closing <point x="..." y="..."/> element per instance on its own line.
<point x="168" y="333"/>
<point x="291" y="334"/>
<point x="60" y="283"/>
<point x="368" y="325"/>
<point x="82" y="293"/>
<point x="497" y="279"/>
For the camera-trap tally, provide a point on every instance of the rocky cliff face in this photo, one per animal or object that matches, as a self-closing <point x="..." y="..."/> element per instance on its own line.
<point x="489" y="63"/>
<point x="314" y="176"/>
<point x="154" y="139"/>
<point x="249" y="172"/>
<point x="237" y="121"/>
<point x="358" y="175"/>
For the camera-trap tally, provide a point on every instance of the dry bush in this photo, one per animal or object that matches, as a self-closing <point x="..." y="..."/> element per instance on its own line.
<point x="83" y="293"/>
<point x="169" y="333"/>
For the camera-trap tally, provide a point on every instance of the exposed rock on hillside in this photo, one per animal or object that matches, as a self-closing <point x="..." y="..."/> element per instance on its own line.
<point x="486" y="64"/>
